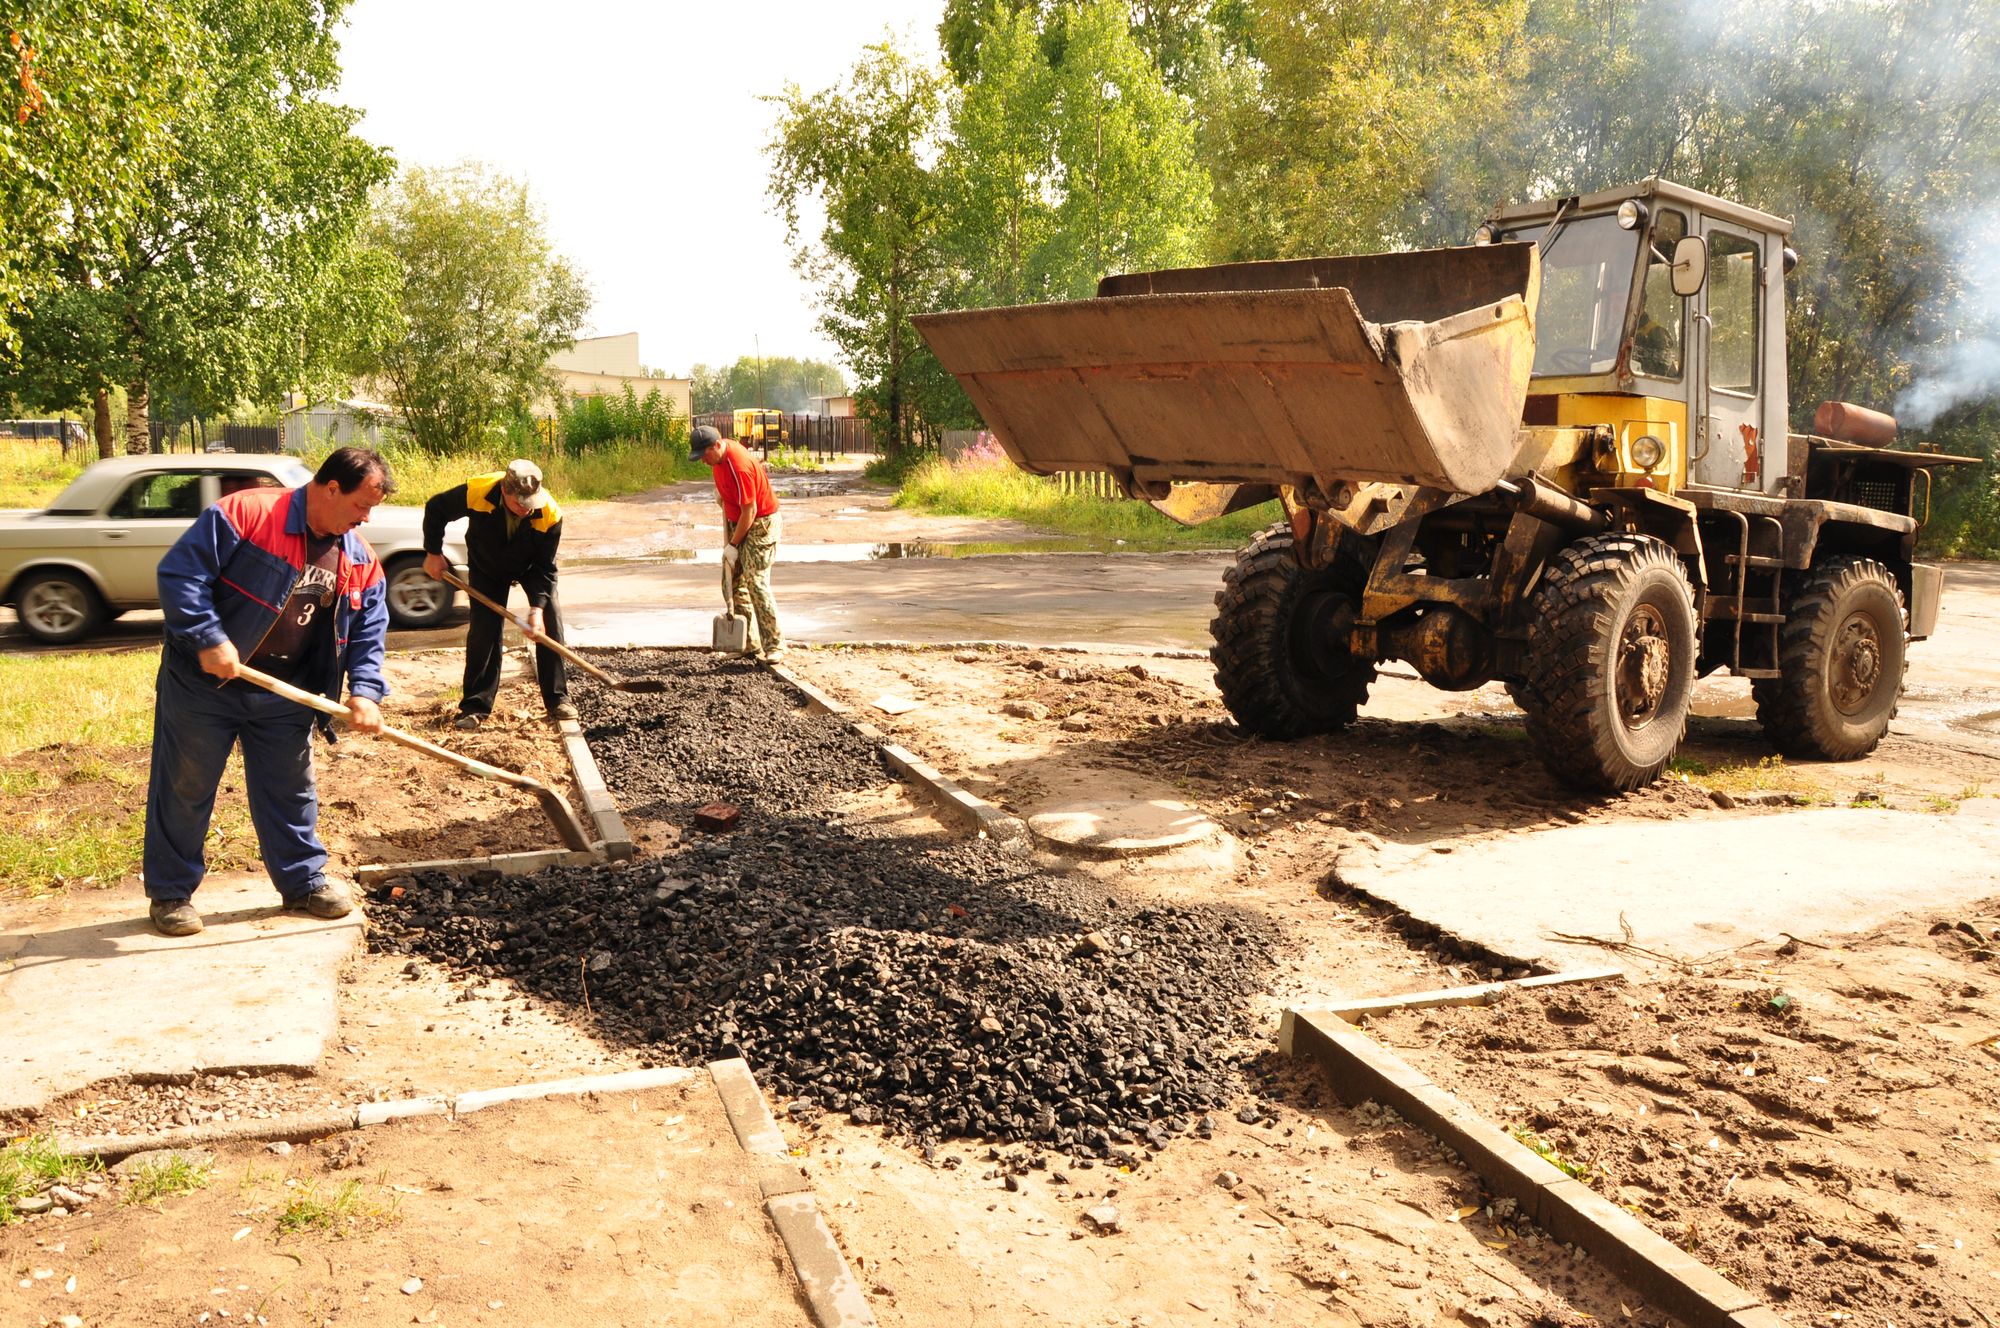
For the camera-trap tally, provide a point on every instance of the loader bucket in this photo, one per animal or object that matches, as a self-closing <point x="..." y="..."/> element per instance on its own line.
<point x="1407" y="368"/>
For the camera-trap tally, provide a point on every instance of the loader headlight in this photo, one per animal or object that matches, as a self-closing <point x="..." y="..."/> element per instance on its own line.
<point x="1648" y="451"/>
<point x="1631" y="214"/>
<point x="1484" y="235"/>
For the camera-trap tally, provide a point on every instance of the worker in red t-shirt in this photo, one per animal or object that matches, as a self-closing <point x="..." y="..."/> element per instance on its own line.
<point x="750" y="533"/>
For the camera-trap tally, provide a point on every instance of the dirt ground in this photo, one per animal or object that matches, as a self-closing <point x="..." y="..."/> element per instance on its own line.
<point x="469" y="1221"/>
<point x="384" y="803"/>
<point x="1816" y="1118"/>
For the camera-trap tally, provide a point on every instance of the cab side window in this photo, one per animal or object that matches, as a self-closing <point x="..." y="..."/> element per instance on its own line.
<point x="1735" y="283"/>
<point x="159" y="497"/>
<point x="1658" y="336"/>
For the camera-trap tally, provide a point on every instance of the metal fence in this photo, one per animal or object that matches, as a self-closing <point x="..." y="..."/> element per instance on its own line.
<point x="251" y="437"/>
<point x="70" y="433"/>
<point x="1096" y="483"/>
<point x="821" y="435"/>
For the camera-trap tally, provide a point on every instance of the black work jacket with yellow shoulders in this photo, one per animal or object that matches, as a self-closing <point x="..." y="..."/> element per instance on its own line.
<point x="526" y="557"/>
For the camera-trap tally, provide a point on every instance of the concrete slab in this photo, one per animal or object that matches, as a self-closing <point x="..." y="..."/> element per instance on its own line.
<point x="1689" y="888"/>
<point x="91" y="993"/>
<point x="1125" y="828"/>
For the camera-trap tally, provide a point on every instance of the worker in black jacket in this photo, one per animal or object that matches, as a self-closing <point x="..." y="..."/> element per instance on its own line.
<point x="512" y="529"/>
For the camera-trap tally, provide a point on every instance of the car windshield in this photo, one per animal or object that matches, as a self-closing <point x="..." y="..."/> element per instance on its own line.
<point x="1586" y="284"/>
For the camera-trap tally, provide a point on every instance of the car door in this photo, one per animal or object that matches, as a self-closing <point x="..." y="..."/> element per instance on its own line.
<point x="140" y="524"/>
<point x="1728" y="449"/>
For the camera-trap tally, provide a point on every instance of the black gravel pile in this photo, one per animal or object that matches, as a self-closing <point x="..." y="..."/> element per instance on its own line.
<point x="935" y="986"/>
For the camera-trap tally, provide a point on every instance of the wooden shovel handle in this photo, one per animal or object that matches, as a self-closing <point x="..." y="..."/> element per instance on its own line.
<point x="540" y="638"/>
<point x="410" y="740"/>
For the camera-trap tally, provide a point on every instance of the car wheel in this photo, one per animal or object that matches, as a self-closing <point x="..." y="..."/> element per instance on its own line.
<point x="415" y="600"/>
<point x="58" y="607"/>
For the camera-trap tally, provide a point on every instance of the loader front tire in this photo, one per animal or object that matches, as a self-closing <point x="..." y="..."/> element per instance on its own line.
<point x="1280" y="653"/>
<point x="1611" y="661"/>
<point x="1840" y="660"/>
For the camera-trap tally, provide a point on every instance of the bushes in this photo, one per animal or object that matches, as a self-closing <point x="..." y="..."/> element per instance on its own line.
<point x="594" y="421"/>
<point x="984" y="483"/>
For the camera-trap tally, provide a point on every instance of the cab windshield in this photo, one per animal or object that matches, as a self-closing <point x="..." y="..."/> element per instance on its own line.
<point x="1586" y="284"/>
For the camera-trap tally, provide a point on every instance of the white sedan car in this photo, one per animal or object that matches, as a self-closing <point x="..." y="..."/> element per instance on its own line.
<point x="93" y="553"/>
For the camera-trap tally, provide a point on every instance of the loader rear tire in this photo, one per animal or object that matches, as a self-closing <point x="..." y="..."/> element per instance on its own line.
<point x="1280" y="652"/>
<point x="1841" y="656"/>
<point x="1611" y="661"/>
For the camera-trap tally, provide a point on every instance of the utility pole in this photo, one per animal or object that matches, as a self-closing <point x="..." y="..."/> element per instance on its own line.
<point x="758" y="347"/>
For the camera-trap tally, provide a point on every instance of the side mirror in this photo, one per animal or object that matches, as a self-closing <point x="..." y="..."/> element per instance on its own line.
<point x="1690" y="265"/>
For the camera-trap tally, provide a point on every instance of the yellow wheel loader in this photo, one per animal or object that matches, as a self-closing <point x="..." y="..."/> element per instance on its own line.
<point x="1558" y="457"/>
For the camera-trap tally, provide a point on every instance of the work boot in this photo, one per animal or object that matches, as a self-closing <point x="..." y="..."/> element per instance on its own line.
<point x="174" y="917"/>
<point x="332" y="900"/>
<point x="775" y="653"/>
<point x="468" y="721"/>
<point x="562" y="710"/>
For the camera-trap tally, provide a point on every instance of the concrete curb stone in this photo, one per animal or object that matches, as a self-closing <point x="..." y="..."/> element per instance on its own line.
<point x="1362" y="1070"/>
<point x="1009" y="832"/>
<point x="831" y="1290"/>
<point x="597" y="799"/>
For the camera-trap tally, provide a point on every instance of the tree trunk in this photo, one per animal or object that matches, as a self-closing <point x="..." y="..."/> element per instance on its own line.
<point x="101" y="424"/>
<point x="138" y="425"/>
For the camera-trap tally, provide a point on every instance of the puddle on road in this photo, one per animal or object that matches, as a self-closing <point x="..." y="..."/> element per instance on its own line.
<point x="836" y="552"/>
<point x="1985" y="722"/>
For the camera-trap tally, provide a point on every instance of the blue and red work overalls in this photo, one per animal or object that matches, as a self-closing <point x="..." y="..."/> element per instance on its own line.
<point x="226" y="580"/>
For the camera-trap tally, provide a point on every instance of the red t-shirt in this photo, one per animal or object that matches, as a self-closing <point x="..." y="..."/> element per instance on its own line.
<point x="741" y="481"/>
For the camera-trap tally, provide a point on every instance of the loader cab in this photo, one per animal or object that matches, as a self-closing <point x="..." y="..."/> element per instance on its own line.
<point x="1661" y="318"/>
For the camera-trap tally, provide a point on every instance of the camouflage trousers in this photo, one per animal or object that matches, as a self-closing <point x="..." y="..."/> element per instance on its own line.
<point x="752" y="596"/>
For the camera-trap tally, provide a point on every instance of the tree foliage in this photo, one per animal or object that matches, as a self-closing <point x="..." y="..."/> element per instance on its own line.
<point x="482" y="301"/>
<point x="864" y="153"/>
<point x="87" y="92"/>
<point x="779" y="382"/>
<point x="1065" y="156"/>
<point x="216" y="277"/>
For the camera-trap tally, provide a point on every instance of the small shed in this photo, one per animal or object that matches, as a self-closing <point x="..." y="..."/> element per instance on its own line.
<point x="343" y="423"/>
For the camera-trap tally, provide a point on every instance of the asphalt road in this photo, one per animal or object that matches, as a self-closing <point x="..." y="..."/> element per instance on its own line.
<point x="1150" y="599"/>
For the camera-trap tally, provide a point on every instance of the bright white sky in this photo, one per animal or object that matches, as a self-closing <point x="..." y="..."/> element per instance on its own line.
<point x="638" y="126"/>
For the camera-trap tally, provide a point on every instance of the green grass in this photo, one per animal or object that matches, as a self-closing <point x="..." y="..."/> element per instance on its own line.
<point x="895" y="467"/>
<point x="29" y="1166"/>
<point x="98" y="700"/>
<point x="1946" y="804"/>
<point x="1548" y="1152"/>
<point x="77" y="814"/>
<point x="167" y="1177"/>
<point x="348" y="1209"/>
<point x="46" y="854"/>
<point x="1769" y="775"/>
<point x="791" y="458"/>
<point x="999" y="490"/>
<point x="608" y="471"/>
<point x="32" y="471"/>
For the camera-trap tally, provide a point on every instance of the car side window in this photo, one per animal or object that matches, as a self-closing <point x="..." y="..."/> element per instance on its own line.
<point x="233" y="481"/>
<point x="174" y="496"/>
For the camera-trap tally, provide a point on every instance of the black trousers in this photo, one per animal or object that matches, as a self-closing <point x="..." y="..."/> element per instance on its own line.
<point x="482" y="649"/>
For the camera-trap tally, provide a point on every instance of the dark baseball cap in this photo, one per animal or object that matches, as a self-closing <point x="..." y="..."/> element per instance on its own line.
<point x="700" y="439"/>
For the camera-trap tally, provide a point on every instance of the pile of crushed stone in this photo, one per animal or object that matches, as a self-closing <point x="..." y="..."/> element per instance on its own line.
<point x="936" y="986"/>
